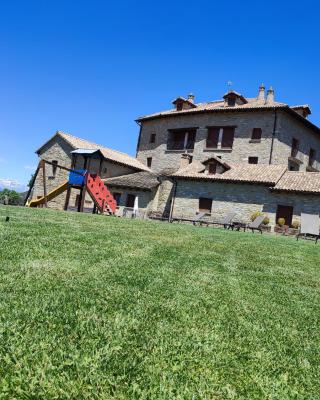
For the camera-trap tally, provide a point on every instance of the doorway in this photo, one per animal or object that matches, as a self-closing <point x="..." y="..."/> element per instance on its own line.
<point x="285" y="212"/>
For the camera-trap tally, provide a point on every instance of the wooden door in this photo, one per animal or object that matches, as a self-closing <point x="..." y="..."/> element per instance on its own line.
<point x="285" y="212"/>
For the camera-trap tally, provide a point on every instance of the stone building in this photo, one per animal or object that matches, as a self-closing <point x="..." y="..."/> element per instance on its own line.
<point x="237" y="153"/>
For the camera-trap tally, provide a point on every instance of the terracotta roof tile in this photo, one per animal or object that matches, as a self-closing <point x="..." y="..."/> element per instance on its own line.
<point x="112" y="155"/>
<point x="249" y="173"/>
<point x="296" y="181"/>
<point x="138" y="180"/>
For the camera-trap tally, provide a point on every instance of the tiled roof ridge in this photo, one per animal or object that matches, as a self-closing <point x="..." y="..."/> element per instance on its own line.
<point x="93" y="143"/>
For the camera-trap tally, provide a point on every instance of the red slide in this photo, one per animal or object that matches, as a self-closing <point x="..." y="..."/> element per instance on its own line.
<point x="101" y="196"/>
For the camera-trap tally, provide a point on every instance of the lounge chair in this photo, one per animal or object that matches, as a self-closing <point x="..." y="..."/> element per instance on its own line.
<point x="226" y="221"/>
<point x="198" y="219"/>
<point x="310" y="224"/>
<point x="256" y="224"/>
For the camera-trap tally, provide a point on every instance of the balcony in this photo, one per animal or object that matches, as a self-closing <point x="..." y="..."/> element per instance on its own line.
<point x="296" y="156"/>
<point x="175" y="145"/>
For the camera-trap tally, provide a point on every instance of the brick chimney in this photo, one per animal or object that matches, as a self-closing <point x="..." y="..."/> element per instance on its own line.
<point x="185" y="160"/>
<point x="261" y="97"/>
<point x="270" y="96"/>
<point x="191" y="98"/>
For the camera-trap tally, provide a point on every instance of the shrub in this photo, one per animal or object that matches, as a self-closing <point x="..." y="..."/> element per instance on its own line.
<point x="281" y="221"/>
<point x="257" y="214"/>
<point x="295" y="224"/>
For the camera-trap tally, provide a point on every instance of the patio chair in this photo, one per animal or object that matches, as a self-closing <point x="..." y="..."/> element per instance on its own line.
<point x="310" y="224"/>
<point x="198" y="219"/>
<point x="256" y="224"/>
<point x="226" y="221"/>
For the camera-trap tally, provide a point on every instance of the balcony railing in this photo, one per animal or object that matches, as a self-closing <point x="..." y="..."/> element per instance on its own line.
<point x="180" y="145"/>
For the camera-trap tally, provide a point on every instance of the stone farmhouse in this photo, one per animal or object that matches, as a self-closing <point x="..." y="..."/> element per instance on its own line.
<point x="235" y="154"/>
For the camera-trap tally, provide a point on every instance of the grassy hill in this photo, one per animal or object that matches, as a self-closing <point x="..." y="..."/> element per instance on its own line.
<point x="93" y="307"/>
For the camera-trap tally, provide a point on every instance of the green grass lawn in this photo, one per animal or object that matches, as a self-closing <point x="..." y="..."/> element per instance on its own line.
<point x="94" y="307"/>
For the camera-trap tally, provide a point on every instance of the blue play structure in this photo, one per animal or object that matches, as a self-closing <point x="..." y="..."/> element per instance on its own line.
<point x="77" y="177"/>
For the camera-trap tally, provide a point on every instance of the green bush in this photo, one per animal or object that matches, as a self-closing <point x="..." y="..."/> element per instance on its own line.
<point x="257" y="214"/>
<point x="295" y="224"/>
<point x="281" y="221"/>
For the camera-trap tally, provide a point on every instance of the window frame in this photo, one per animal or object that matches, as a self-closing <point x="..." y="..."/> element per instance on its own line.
<point x="219" y="139"/>
<point x="152" y="138"/>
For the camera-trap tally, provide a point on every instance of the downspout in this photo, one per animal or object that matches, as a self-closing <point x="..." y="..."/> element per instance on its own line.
<point x="273" y="135"/>
<point x="138" y="143"/>
<point x="175" y="184"/>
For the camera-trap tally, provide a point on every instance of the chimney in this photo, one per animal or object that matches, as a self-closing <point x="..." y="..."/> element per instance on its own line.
<point x="270" y="96"/>
<point x="191" y="98"/>
<point x="185" y="160"/>
<point x="261" y="99"/>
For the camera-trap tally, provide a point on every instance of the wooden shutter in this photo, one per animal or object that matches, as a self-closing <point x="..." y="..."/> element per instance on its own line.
<point x="191" y="139"/>
<point x="227" y="138"/>
<point x="212" y="137"/>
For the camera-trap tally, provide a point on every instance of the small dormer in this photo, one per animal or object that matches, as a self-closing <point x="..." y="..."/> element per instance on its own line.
<point x="304" y="110"/>
<point x="181" y="103"/>
<point x="233" y="98"/>
<point x="214" y="165"/>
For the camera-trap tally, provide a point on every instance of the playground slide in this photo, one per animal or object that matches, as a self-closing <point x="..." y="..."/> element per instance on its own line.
<point x="51" y="195"/>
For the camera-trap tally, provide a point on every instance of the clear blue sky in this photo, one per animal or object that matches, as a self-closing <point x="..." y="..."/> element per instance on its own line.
<point x="91" y="67"/>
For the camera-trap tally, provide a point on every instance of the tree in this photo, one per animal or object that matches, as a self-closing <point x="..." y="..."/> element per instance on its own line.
<point x="13" y="196"/>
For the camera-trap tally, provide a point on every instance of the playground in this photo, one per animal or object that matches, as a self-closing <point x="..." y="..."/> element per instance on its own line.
<point x="82" y="180"/>
<point x="95" y="308"/>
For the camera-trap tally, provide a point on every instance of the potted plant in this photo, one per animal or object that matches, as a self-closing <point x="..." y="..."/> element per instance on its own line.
<point x="281" y="226"/>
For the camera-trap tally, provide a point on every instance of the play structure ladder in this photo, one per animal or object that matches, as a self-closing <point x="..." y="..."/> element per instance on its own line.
<point x="99" y="193"/>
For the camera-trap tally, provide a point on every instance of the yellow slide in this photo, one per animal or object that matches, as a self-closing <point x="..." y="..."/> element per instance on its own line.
<point x="51" y="195"/>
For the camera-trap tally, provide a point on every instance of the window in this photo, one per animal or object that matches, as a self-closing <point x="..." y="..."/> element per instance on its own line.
<point x="212" y="137"/>
<point x="130" y="200"/>
<point x="105" y="169"/>
<point x="205" y="205"/>
<point x="152" y="138"/>
<point x="231" y="101"/>
<point x="117" y="197"/>
<point x="253" y="160"/>
<point x="256" y="134"/>
<point x="182" y="139"/>
<point x="294" y="147"/>
<point x="312" y="157"/>
<point x="220" y="137"/>
<point x="54" y="168"/>
<point x="212" y="168"/>
<point x="149" y="162"/>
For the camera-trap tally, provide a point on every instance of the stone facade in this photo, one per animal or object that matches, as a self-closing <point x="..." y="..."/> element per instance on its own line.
<point x="243" y="199"/>
<point x="59" y="150"/>
<point x="286" y="128"/>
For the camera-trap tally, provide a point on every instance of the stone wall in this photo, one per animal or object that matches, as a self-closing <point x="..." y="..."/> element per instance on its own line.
<point x="243" y="199"/>
<point x="145" y="199"/>
<point x="59" y="150"/>
<point x="243" y="147"/>
<point x="289" y="128"/>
